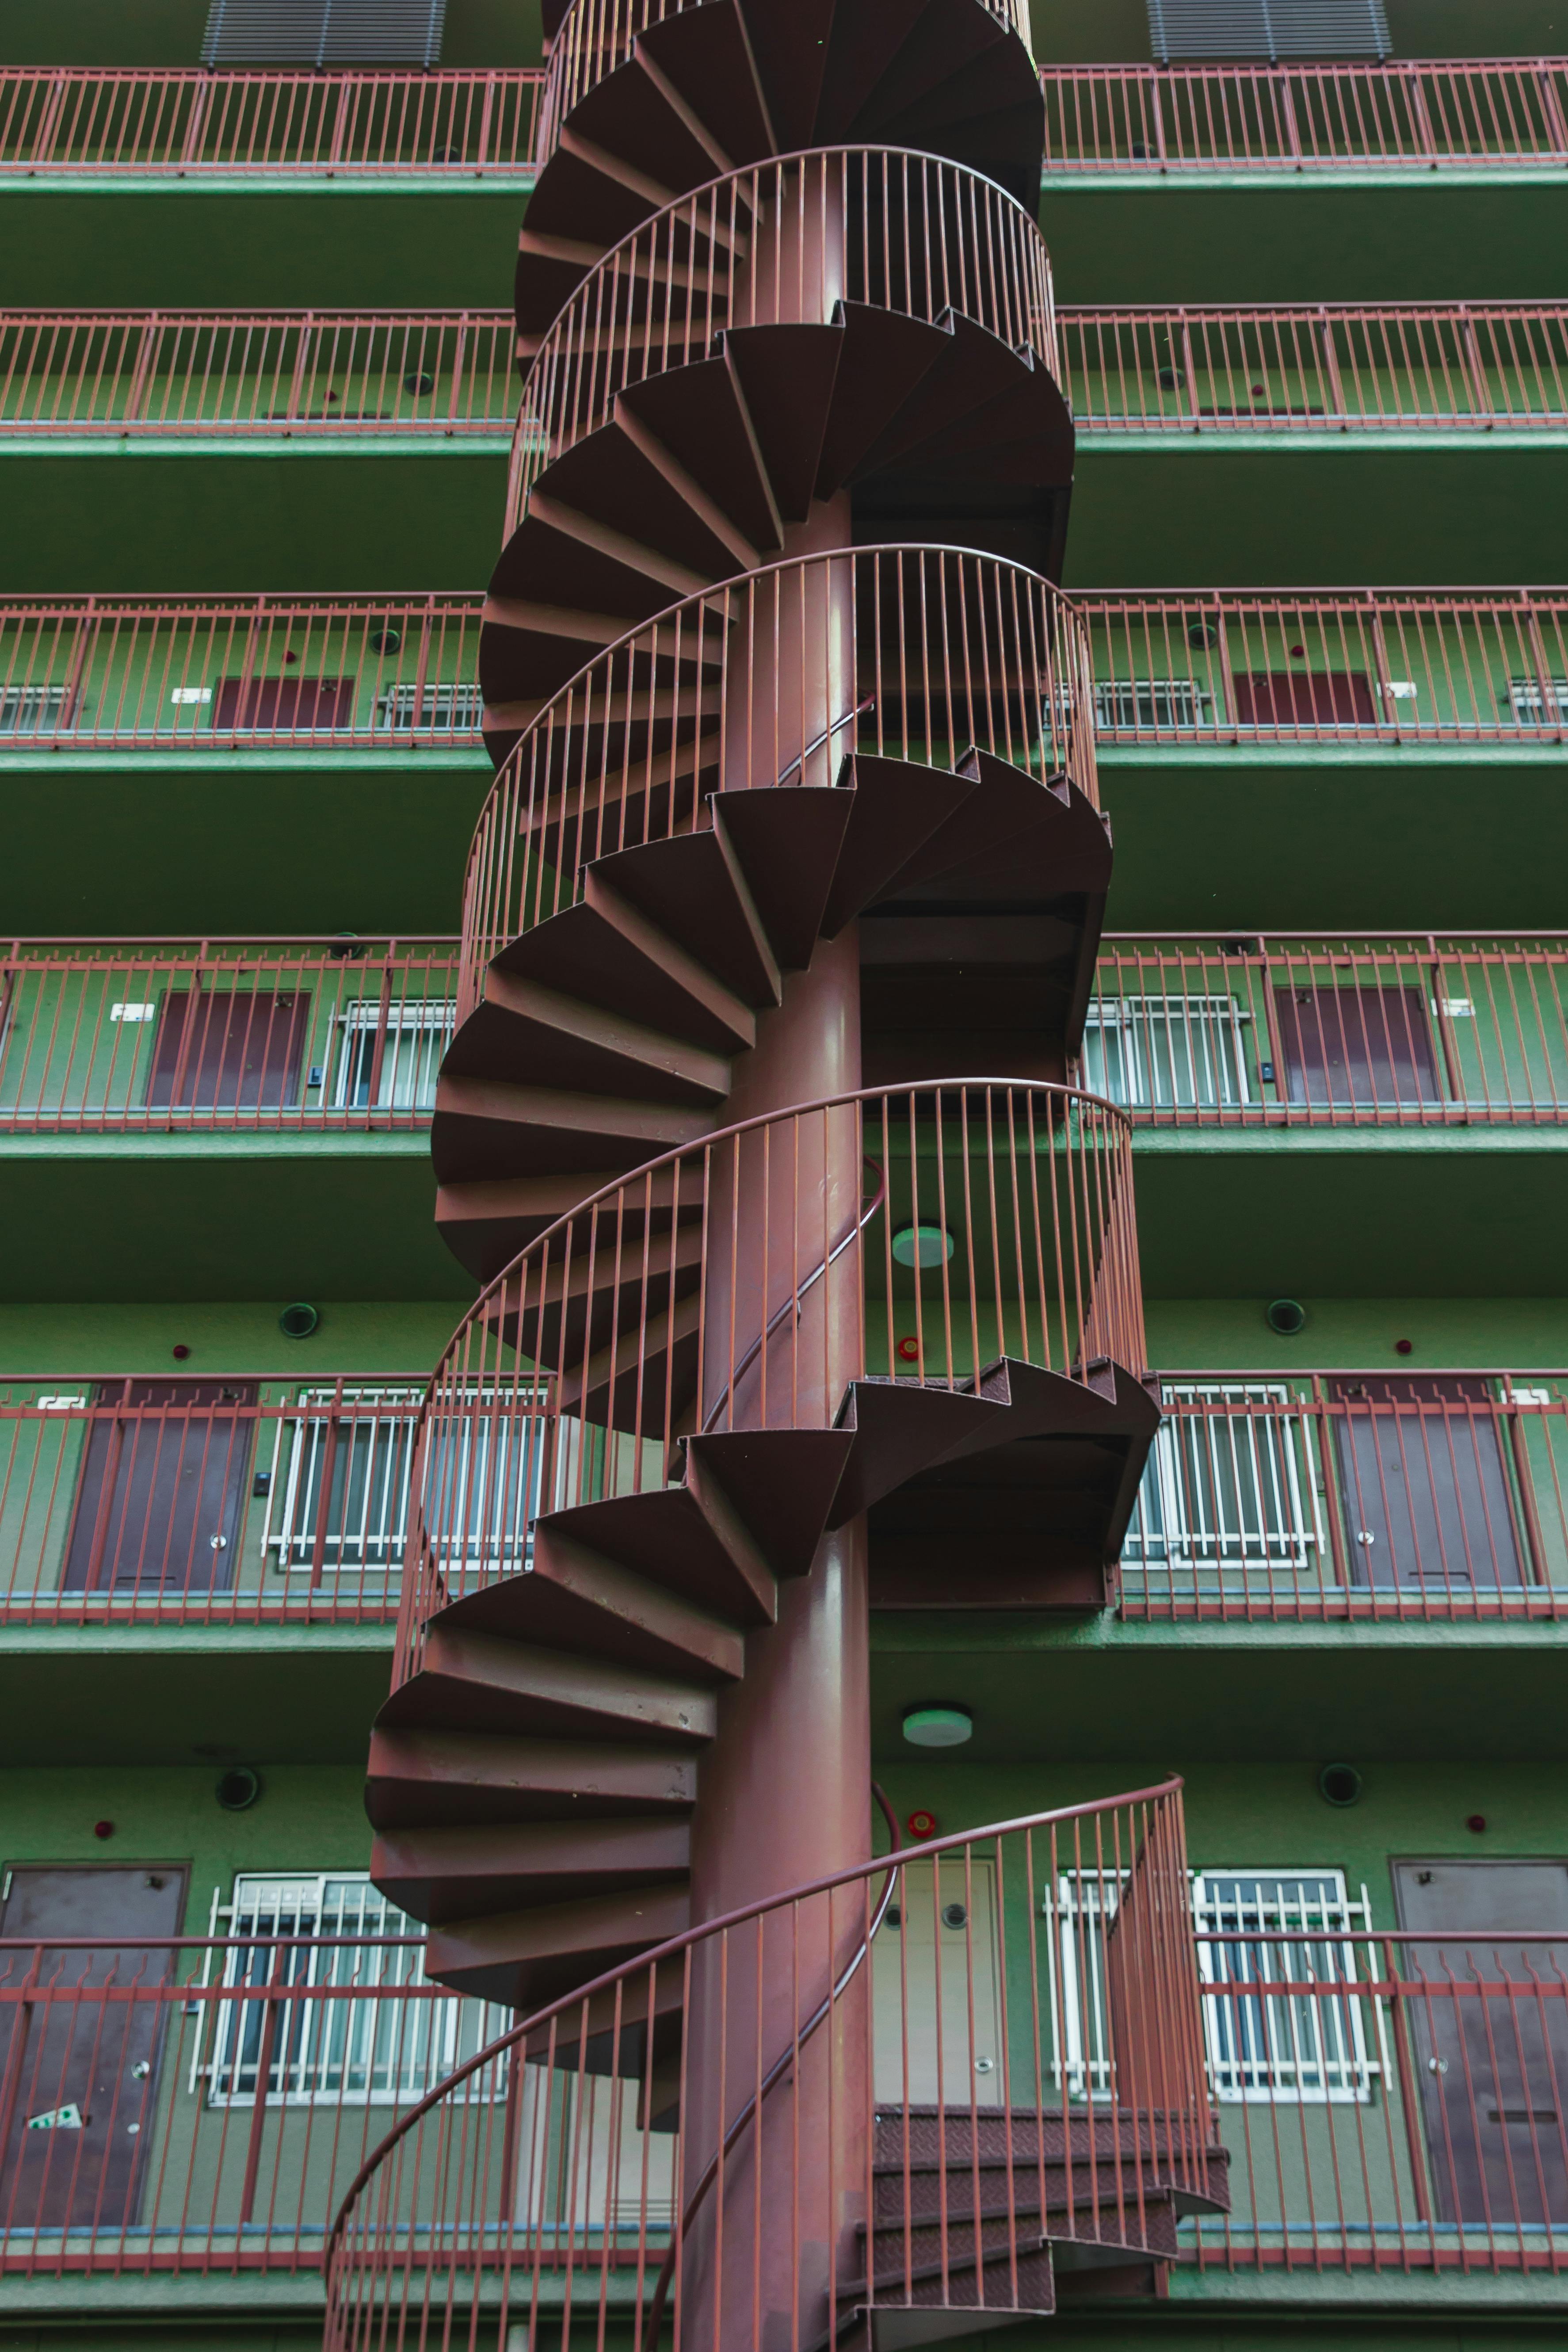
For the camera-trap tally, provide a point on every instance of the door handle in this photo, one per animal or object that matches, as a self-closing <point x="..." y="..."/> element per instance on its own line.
<point x="218" y="1543"/>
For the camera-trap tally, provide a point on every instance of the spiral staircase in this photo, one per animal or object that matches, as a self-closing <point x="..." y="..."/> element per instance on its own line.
<point x="788" y="715"/>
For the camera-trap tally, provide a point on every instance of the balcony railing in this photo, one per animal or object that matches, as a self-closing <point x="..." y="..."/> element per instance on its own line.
<point x="180" y="123"/>
<point x="1325" y="367"/>
<point x="1443" y="666"/>
<point x="1449" y="113"/>
<point x="1353" y="1495"/>
<point x="1414" y="1029"/>
<point x="1387" y="2101"/>
<point x="284" y="374"/>
<point x="209" y="1501"/>
<point x="239" y="673"/>
<point x="202" y="2106"/>
<point x="222" y="1036"/>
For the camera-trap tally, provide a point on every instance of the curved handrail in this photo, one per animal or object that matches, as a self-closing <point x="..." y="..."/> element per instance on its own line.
<point x="584" y="1365"/>
<point x="528" y="2029"/>
<point x="654" y="302"/>
<point x="955" y="648"/>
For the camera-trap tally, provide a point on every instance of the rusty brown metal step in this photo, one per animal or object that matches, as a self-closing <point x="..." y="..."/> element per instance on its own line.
<point x="525" y="1958"/>
<point x="667" y="1535"/>
<point x="900" y="1428"/>
<point x="929" y="2138"/>
<point x="1092" y="2220"/>
<point x="480" y="1681"/>
<point x="542" y="1036"/>
<point x="768" y="1493"/>
<point x="494" y="1127"/>
<point x="700" y="416"/>
<point x="896" y="806"/>
<point x="608" y="952"/>
<point x="573" y="1598"/>
<point x="424" y="1779"/>
<point x="478" y="1870"/>
<point x="693" y="889"/>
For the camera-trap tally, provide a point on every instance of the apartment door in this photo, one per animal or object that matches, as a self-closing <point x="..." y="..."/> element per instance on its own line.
<point x="1358" y="1045"/>
<point x="1292" y="698"/>
<point x="282" y="705"/>
<point x="228" y="1049"/>
<point x="1489" y="2034"/>
<point x="936" y="1989"/>
<point x="161" y="1494"/>
<point x="78" y="2072"/>
<point x="1427" y="1500"/>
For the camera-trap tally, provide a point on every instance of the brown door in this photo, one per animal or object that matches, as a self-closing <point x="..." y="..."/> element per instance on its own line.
<point x="78" y="2072"/>
<point x="1490" y="2037"/>
<point x="162" y="1493"/>
<point x="1427" y="1495"/>
<point x="1355" y="1044"/>
<point x="228" y="1049"/>
<point x="272" y="704"/>
<point x="1289" y="698"/>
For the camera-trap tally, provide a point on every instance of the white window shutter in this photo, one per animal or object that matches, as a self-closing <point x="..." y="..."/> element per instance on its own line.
<point x="1184" y="31"/>
<point x="324" y="32"/>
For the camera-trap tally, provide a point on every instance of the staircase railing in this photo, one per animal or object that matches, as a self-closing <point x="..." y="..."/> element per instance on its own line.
<point x="1019" y="2068"/>
<point x="902" y="231"/>
<point x="731" y="1286"/>
<point x="951" y="649"/>
<point x="598" y="36"/>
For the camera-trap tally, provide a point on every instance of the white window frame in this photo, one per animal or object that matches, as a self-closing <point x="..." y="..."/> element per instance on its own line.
<point x="1215" y="1020"/>
<point x="380" y="2053"/>
<point x="1530" y="706"/>
<point x="1279" y="1470"/>
<point x="1144" y="706"/>
<point x="31" y="709"/>
<point x="405" y="1016"/>
<point x="452" y="706"/>
<point x="373" y="1544"/>
<point x="1279" y="2049"/>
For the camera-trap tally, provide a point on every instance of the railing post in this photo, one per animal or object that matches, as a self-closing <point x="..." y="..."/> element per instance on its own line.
<point x="1518" y="1451"/>
<point x="143" y="369"/>
<point x="1323" y="1422"/>
<point x="324" y="1492"/>
<point x="1545" y="687"/>
<point x="263" y="2071"/>
<point x="378" y="1050"/>
<point x="305" y="336"/>
<point x="1409" y="2096"/>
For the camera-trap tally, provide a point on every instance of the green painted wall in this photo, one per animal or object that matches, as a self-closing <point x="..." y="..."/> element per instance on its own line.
<point x="1359" y="1335"/>
<point x="306" y="1818"/>
<point x="226" y="1336"/>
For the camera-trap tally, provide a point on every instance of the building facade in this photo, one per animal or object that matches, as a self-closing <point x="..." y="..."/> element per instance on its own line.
<point x="1228" y="516"/>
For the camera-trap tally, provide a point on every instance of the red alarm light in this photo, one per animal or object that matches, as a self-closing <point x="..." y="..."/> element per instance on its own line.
<point x="1476" y="1822"/>
<point x="908" y="1350"/>
<point x="922" y="1825"/>
<point x="103" y="1829"/>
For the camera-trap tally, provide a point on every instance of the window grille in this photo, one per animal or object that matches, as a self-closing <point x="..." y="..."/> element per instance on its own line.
<point x="1166" y="1052"/>
<point x="324" y="32"/>
<point x="1233" y="1484"/>
<point x="1528" y="704"/>
<point x="1145" y="703"/>
<point x="345" y="2051"/>
<point x="482" y="1479"/>
<point x="416" y="1029"/>
<point x="1270" y="2046"/>
<point x="1271" y="29"/>
<point x="456" y="709"/>
<point x="31" y="709"/>
<point x="366" y="1459"/>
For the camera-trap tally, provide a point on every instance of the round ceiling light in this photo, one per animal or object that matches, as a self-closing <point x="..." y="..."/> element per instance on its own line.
<point x="922" y="1245"/>
<point x="938" y="1727"/>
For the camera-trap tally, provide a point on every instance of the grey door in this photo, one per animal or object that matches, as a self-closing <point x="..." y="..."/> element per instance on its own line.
<point x="1489" y="2033"/>
<point x="79" y="2071"/>
<point x="1357" y="1046"/>
<point x="1426" y="1494"/>
<point x="161" y="1494"/>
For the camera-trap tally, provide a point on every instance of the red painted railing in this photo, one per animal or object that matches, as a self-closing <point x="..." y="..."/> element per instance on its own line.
<point x="1365" y="1029"/>
<point x="200" y="2105"/>
<point x="1320" y="367"/>
<point x="222" y="1035"/>
<point x="611" y="761"/>
<point x="1377" y="666"/>
<point x="1392" y="1496"/>
<point x="711" y="257"/>
<point x="189" y="673"/>
<point x="899" y="2053"/>
<point x="179" y="122"/>
<point x="992" y="1219"/>
<point x="214" y="1500"/>
<point x="1452" y="112"/>
<point x="284" y="374"/>
<point x="596" y="38"/>
<point x="1387" y="2102"/>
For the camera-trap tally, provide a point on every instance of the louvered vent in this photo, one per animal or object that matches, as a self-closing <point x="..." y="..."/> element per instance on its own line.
<point x="324" y="32"/>
<point x="1180" y="30"/>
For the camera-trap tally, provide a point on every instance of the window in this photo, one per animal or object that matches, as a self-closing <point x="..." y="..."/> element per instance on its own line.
<point x="1166" y="1052"/>
<point x="482" y="1478"/>
<point x="344" y="2051"/>
<point x="1530" y="706"/>
<point x="1267" y="29"/>
<point x="31" y="709"/>
<point x="348" y="1458"/>
<point x="1145" y="703"/>
<point x="1232" y="1482"/>
<point x="448" y="709"/>
<point x="416" y="1032"/>
<point x="324" y="32"/>
<point x="1297" y="2048"/>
